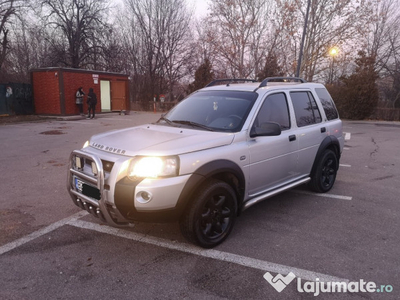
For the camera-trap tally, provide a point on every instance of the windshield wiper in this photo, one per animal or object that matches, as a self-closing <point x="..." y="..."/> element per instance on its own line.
<point x="194" y="124"/>
<point x="168" y="121"/>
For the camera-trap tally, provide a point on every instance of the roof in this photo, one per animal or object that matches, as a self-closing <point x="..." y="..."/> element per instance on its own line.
<point x="72" y="70"/>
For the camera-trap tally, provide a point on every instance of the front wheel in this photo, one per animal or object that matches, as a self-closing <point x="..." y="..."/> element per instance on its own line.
<point x="210" y="216"/>
<point x="324" y="175"/>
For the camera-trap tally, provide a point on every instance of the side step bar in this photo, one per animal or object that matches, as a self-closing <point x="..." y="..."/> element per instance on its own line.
<point x="257" y="199"/>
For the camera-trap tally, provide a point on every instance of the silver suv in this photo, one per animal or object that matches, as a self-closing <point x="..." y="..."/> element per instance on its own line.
<point x="216" y="153"/>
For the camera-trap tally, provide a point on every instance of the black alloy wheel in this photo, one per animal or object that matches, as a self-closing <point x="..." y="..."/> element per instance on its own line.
<point x="324" y="176"/>
<point x="210" y="217"/>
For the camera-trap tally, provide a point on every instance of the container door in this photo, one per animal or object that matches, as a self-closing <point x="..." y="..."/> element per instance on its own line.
<point x="118" y="94"/>
<point x="105" y="95"/>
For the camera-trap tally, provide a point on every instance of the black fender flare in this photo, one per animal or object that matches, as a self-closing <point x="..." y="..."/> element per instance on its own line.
<point x="213" y="169"/>
<point x="329" y="142"/>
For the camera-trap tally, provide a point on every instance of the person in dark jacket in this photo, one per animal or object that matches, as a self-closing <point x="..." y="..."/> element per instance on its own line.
<point x="91" y="101"/>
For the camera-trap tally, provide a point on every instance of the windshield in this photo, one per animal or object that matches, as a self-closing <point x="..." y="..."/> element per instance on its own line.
<point x="212" y="110"/>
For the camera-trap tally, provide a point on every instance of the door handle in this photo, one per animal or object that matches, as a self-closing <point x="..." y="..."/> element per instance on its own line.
<point x="323" y="129"/>
<point x="292" y="138"/>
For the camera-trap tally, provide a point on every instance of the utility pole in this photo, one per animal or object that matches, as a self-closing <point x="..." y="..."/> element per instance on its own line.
<point x="302" y="39"/>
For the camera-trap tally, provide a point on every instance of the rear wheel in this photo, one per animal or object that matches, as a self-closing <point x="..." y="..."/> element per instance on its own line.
<point x="324" y="175"/>
<point x="211" y="214"/>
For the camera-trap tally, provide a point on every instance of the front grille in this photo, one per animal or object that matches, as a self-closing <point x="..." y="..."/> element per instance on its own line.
<point x="107" y="165"/>
<point x="86" y="165"/>
<point x="88" y="162"/>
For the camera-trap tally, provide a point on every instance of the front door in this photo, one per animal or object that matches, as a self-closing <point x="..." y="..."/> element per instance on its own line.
<point x="273" y="159"/>
<point x="118" y="95"/>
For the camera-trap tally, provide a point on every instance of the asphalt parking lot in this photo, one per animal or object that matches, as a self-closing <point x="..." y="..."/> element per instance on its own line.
<point x="50" y="249"/>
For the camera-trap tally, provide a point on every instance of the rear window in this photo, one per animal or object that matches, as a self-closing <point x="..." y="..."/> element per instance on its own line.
<point x="327" y="103"/>
<point x="305" y="108"/>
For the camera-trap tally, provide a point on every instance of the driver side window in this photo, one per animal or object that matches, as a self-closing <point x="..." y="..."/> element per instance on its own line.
<point x="274" y="109"/>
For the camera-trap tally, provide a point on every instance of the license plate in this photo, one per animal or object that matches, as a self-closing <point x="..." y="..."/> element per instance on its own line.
<point x="78" y="185"/>
<point x="87" y="190"/>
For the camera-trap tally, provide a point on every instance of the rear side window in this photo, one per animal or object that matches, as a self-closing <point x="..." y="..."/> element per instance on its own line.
<point x="327" y="103"/>
<point x="305" y="108"/>
<point x="274" y="109"/>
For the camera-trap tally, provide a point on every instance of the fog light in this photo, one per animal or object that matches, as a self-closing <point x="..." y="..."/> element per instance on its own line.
<point x="144" y="197"/>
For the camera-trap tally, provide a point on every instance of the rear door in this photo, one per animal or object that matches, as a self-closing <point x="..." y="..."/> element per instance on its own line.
<point x="310" y="131"/>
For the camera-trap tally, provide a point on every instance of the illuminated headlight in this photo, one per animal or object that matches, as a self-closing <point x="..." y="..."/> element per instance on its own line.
<point x="86" y="144"/>
<point x="153" y="167"/>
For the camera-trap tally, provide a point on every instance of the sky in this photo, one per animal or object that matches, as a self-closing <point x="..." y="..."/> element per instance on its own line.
<point x="200" y="7"/>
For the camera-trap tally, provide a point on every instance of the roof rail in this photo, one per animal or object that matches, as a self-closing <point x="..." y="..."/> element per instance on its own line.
<point x="230" y="80"/>
<point x="284" y="79"/>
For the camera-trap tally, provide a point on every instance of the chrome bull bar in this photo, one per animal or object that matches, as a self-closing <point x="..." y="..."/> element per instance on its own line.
<point x="96" y="207"/>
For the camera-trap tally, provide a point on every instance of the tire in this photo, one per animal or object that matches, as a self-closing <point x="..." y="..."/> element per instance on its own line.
<point x="210" y="216"/>
<point x="324" y="175"/>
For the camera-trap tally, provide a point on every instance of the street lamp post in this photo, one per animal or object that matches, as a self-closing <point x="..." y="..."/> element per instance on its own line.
<point x="332" y="52"/>
<point x="302" y="39"/>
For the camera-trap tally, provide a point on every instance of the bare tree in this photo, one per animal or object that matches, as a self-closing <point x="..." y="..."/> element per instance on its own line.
<point x="237" y="31"/>
<point x="384" y="42"/>
<point x="383" y="20"/>
<point x="158" y="42"/>
<point x="176" y="48"/>
<point x="285" y="35"/>
<point x="331" y="23"/>
<point x="113" y="53"/>
<point x="21" y="53"/>
<point x="77" y="25"/>
<point x="9" y="9"/>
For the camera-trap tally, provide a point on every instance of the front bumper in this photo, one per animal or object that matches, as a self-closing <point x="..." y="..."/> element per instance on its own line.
<point x="124" y="201"/>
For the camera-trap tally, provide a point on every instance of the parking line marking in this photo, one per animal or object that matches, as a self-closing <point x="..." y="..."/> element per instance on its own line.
<point x="347" y="136"/>
<point x="344" y="165"/>
<point x="346" y="148"/>
<point x="340" y="197"/>
<point x="208" y="253"/>
<point x="10" y="246"/>
<point x="191" y="249"/>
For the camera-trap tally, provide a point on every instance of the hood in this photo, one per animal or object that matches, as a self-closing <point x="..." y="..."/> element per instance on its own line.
<point x="158" y="140"/>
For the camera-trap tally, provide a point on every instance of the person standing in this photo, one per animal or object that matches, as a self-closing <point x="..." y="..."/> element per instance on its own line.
<point x="91" y="101"/>
<point x="79" y="100"/>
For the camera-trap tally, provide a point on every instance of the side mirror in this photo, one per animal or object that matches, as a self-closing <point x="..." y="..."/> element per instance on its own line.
<point x="266" y="129"/>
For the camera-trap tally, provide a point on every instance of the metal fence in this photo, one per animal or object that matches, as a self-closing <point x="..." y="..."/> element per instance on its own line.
<point x="159" y="107"/>
<point x="16" y="99"/>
